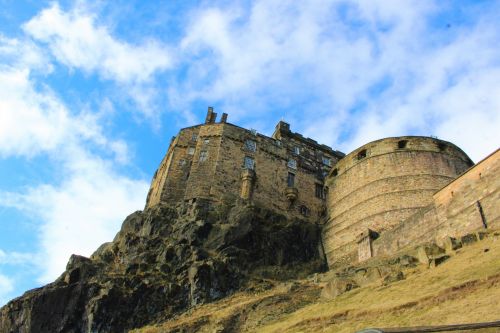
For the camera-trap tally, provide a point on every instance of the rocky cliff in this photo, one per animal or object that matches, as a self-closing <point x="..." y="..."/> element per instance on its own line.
<point x="165" y="260"/>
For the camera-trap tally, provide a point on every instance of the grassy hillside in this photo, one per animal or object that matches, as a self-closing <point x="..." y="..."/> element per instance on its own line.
<point x="463" y="289"/>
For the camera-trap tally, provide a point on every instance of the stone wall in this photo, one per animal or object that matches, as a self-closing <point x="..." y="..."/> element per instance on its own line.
<point x="472" y="201"/>
<point x="467" y="204"/>
<point x="208" y="161"/>
<point x="383" y="183"/>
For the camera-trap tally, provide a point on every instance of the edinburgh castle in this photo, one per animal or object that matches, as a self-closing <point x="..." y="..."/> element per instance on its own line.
<point x="378" y="199"/>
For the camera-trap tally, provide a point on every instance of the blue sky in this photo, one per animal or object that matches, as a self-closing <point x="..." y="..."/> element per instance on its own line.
<point x="92" y="91"/>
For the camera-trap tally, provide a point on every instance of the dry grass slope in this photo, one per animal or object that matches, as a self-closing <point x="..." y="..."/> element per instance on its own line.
<point x="464" y="289"/>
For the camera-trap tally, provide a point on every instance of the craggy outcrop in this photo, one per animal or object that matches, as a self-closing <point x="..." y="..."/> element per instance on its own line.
<point x="163" y="261"/>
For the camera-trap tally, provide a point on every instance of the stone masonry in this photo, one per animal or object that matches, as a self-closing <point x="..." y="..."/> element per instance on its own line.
<point x="217" y="160"/>
<point x="376" y="200"/>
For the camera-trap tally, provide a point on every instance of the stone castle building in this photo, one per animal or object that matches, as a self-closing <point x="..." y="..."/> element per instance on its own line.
<point x="383" y="196"/>
<point x="285" y="172"/>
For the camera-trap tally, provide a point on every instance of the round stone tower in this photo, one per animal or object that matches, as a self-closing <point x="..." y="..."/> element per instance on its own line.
<point x="381" y="184"/>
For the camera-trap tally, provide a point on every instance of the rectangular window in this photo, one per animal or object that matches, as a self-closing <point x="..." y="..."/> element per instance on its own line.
<point x="292" y="163"/>
<point x="203" y="156"/>
<point x="296" y="150"/>
<point x="291" y="179"/>
<point x="206" y="141"/>
<point x="191" y="150"/>
<point x="327" y="161"/>
<point x="249" y="163"/>
<point x="251" y="145"/>
<point x="194" y="137"/>
<point x="182" y="162"/>
<point x="320" y="192"/>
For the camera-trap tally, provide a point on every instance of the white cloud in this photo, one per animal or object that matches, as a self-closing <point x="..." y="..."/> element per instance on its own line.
<point x="15" y="258"/>
<point x="348" y="72"/>
<point x="30" y="122"/>
<point x="86" y="204"/>
<point x="85" y="210"/>
<point x="76" y="40"/>
<point x="6" y="287"/>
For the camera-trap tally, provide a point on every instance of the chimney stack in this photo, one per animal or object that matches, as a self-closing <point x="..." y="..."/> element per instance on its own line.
<point x="211" y="116"/>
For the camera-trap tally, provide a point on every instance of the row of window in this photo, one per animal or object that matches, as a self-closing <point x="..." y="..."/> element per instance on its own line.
<point x="401" y="145"/>
<point x="251" y="146"/>
<point x="249" y="163"/>
<point x="319" y="189"/>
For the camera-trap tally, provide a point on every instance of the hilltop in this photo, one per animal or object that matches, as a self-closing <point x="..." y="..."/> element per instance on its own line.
<point x="463" y="289"/>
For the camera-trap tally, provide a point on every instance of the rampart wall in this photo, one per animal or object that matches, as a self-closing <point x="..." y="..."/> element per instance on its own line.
<point x="383" y="183"/>
<point x="469" y="203"/>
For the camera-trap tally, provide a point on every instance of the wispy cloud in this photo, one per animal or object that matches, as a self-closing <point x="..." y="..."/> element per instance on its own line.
<point x="77" y="40"/>
<point x="348" y="72"/>
<point x="87" y="204"/>
<point x="15" y="258"/>
<point x="85" y="210"/>
<point x="6" y="287"/>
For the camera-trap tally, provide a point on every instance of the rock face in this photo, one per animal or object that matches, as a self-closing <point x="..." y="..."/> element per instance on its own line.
<point x="163" y="261"/>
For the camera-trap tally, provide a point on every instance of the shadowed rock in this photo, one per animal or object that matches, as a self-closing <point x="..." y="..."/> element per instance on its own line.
<point x="163" y="261"/>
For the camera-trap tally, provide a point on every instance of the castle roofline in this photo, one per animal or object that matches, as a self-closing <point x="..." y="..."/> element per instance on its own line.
<point x="282" y="129"/>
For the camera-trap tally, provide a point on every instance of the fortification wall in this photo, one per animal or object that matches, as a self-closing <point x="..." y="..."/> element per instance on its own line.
<point x="469" y="203"/>
<point x="472" y="200"/>
<point x="381" y="184"/>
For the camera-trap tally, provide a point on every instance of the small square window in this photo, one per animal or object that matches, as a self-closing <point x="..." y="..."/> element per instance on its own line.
<point x="327" y="161"/>
<point x="304" y="210"/>
<point x="182" y="162"/>
<point x="249" y="163"/>
<point x="251" y="145"/>
<point x="191" y="150"/>
<point x="194" y="137"/>
<point x="361" y="154"/>
<point x="203" y="156"/>
<point x="292" y="164"/>
<point x="206" y="141"/>
<point x="402" y="144"/>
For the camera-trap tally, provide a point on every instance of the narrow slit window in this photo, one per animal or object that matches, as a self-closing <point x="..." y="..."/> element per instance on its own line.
<point x="320" y="191"/>
<point x="291" y="179"/>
